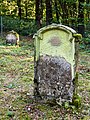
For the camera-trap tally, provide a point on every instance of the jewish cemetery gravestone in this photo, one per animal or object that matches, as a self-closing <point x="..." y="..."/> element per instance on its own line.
<point x="55" y="63"/>
<point x="12" y="38"/>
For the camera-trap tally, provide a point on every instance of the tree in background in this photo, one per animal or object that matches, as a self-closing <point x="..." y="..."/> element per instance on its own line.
<point x="19" y="8"/>
<point x="81" y="26"/>
<point x="88" y="8"/>
<point x="48" y="12"/>
<point x="38" y="13"/>
<point x="56" y="10"/>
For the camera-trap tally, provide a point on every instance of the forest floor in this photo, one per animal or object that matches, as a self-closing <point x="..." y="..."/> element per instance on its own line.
<point x="16" y="87"/>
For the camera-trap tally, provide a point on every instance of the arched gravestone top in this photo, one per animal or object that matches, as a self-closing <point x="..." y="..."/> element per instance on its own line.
<point x="54" y="26"/>
<point x="55" y="61"/>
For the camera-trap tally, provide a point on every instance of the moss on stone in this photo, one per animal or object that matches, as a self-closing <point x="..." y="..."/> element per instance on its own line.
<point x="78" y="37"/>
<point x="76" y="100"/>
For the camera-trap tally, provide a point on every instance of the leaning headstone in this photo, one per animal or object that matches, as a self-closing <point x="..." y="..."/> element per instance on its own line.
<point x="55" y="63"/>
<point x="12" y="38"/>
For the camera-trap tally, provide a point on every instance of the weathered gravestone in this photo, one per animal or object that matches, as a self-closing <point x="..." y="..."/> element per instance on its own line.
<point x="12" y="38"/>
<point x="55" y="63"/>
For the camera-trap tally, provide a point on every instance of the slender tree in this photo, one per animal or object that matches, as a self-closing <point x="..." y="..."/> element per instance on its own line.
<point x="26" y="9"/>
<point x="81" y="27"/>
<point x="57" y="12"/>
<point x="88" y="8"/>
<point x="48" y="11"/>
<point x="19" y="8"/>
<point x="39" y="13"/>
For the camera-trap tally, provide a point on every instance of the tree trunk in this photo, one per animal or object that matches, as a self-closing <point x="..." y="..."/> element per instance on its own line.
<point x="88" y="9"/>
<point x="19" y="8"/>
<point x="81" y="27"/>
<point x="39" y="13"/>
<point x="48" y="12"/>
<point x="65" y="12"/>
<point x="74" y="15"/>
<point x="56" y="9"/>
<point x="26" y="9"/>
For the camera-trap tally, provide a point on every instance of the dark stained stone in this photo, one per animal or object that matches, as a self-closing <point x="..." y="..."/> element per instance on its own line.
<point x="54" y="79"/>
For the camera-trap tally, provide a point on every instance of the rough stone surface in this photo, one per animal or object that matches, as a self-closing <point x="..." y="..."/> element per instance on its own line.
<point x="53" y="79"/>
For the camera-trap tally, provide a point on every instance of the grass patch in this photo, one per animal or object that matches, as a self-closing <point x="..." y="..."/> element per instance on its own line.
<point x="16" y="86"/>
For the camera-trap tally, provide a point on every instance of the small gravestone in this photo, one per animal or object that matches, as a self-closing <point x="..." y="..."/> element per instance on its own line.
<point x="12" y="38"/>
<point x="55" y="63"/>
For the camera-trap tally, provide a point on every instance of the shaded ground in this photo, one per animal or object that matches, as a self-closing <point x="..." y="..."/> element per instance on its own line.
<point x="16" y="87"/>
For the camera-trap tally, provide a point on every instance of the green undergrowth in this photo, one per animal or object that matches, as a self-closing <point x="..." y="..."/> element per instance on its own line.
<point x="16" y="87"/>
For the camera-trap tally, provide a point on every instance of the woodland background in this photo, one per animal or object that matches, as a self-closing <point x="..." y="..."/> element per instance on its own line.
<point x="26" y="16"/>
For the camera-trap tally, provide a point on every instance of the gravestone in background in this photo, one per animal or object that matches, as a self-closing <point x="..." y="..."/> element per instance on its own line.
<point x="55" y="63"/>
<point x="12" y="38"/>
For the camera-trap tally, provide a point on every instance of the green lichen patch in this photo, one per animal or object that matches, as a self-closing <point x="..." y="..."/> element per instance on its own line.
<point x="77" y="36"/>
